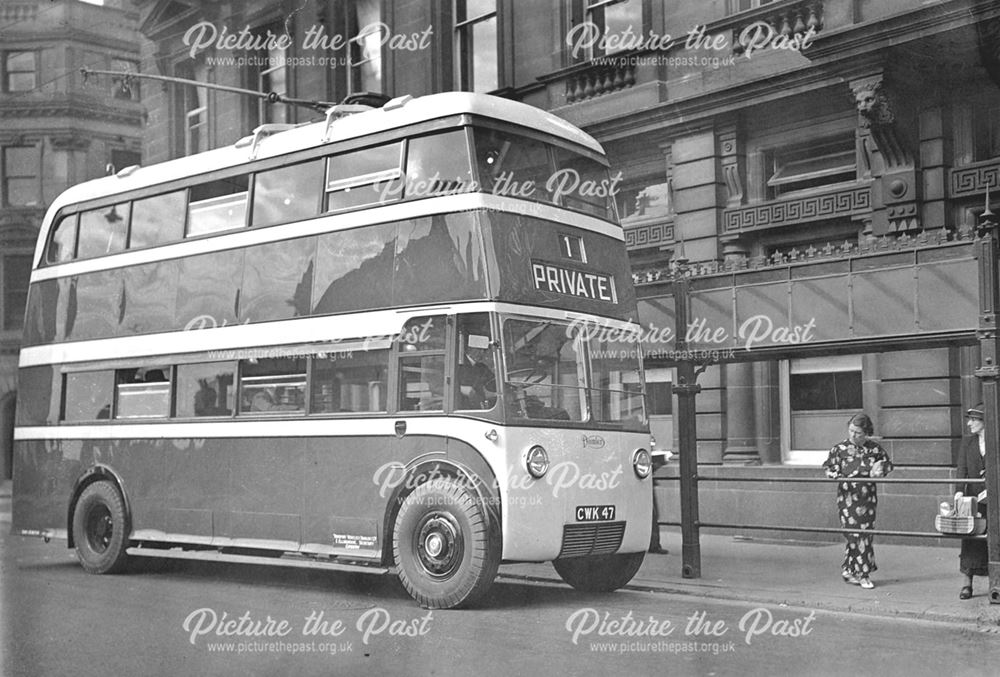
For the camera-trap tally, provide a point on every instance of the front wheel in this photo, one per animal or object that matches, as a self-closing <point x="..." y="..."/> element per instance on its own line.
<point x="100" y="529"/>
<point x="599" y="573"/>
<point x="445" y="548"/>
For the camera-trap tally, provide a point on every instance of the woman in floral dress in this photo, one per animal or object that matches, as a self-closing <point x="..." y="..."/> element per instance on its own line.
<point x="858" y="456"/>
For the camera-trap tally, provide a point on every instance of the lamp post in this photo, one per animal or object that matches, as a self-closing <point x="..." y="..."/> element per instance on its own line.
<point x="686" y="389"/>
<point x="989" y="374"/>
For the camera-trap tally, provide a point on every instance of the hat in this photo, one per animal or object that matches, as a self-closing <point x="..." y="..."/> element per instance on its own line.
<point x="976" y="412"/>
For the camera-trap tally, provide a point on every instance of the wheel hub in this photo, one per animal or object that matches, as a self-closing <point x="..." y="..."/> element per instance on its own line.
<point x="99" y="528"/>
<point x="439" y="544"/>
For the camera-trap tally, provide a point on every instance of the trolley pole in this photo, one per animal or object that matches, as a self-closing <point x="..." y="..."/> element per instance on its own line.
<point x="989" y="374"/>
<point x="686" y="389"/>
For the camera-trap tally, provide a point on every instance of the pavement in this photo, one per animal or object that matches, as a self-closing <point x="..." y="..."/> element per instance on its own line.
<point x="916" y="582"/>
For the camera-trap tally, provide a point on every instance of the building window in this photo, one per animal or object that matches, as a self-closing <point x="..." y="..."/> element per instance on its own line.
<point x="735" y="6"/>
<point x="270" y="68"/>
<point x="611" y="25"/>
<point x="22" y="176"/>
<point x="986" y="132"/>
<point x="645" y="200"/>
<point x="817" y="164"/>
<point x="20" y="71"/>
<point x="476" y="33"/>
<point x="365" y="49"/>
<point x="16" y="273"/>
<point x="191" y="104"/>
<point x="818" y="396"/>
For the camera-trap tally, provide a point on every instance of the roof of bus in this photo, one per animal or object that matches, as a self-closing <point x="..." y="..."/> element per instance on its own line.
<point x="411" y="112"/>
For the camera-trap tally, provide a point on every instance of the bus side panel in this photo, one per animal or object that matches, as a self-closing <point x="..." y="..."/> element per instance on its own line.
<point x="340" y="492"/>
<point x="141" y="465"/>
<point x="44" y="474"/>
<point x="465" y="455"/>
<point x="263" y="479"/>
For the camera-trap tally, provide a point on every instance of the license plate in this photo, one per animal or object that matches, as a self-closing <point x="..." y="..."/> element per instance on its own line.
<point x="595" y="513"/>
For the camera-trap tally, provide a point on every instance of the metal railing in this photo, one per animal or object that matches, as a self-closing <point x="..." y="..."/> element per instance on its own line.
<point x="824" y="480"/>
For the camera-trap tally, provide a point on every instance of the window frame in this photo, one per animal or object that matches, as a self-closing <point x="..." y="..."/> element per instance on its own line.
<point x="356" y="45"/>
<point x="6" y="176"/>
<point x="733" y="6"/>
<point x="838" y="363"/>
<point x="580" y="12"/>
<point x="402" y="351"/>
<point x="7" y="72"/>
<point x="781" y="178"/>
<point x="463" y="35"/>
<point x="191" y="118"/>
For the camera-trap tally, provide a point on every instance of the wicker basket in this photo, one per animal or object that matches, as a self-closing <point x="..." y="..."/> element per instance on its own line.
<point x="962" y="526"/>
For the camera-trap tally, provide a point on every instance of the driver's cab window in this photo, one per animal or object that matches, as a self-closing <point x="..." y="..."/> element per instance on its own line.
<point x="421" y="346"/>
<point x="476" y="372"/>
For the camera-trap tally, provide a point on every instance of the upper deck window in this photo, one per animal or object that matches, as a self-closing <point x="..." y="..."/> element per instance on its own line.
<point x="287" y="193"/>
<point x="363" y="177"/>
<point x="517" y="166"/>
<point x="157" y="220"/>
<point x="514" y="166"/>
<point x="62" y="241"/>
<point x="102" y="230"/>
<point x="438" y="164"/>
<point x="218" y="205"/>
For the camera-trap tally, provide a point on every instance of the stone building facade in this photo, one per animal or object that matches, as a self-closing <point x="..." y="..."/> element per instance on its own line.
<point x="820" y="160"/>
<point x="58" y="129"/>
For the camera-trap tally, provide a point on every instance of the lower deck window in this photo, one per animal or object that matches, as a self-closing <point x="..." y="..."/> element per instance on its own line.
<point x="143" y="392"/>
<point x="206" y="389"/>
<point x="350" y="381"/>
<point x="88" y="396"/>
<point x="272" y="385"/>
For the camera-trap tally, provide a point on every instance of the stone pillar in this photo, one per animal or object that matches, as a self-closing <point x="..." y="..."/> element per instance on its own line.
<point x="741" y="447"/>
<point x="767" y="411"/>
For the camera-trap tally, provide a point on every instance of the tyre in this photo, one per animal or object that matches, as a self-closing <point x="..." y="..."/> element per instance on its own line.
<point x="600" y="573"/>
<point x="100" y="529"/>
<point x="445" y="549"/>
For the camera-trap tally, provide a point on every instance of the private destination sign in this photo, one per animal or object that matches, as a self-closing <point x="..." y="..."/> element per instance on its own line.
<point x="552" y="278"/>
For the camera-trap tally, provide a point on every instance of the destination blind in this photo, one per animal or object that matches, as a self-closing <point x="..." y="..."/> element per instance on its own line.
<point x="571" y="282"/>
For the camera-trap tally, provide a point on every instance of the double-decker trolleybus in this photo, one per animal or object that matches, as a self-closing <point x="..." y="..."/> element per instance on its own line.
<point x="398" y="339"/>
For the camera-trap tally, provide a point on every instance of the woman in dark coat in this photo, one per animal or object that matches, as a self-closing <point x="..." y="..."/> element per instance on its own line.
<point x="972" y="560"/>
<point x="858" y="456"/>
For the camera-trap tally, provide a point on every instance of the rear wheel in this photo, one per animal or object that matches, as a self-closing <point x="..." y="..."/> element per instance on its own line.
<point x="445" y="548"/>
<point x="100" y="529"/>
<point x="599" y="573"/>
